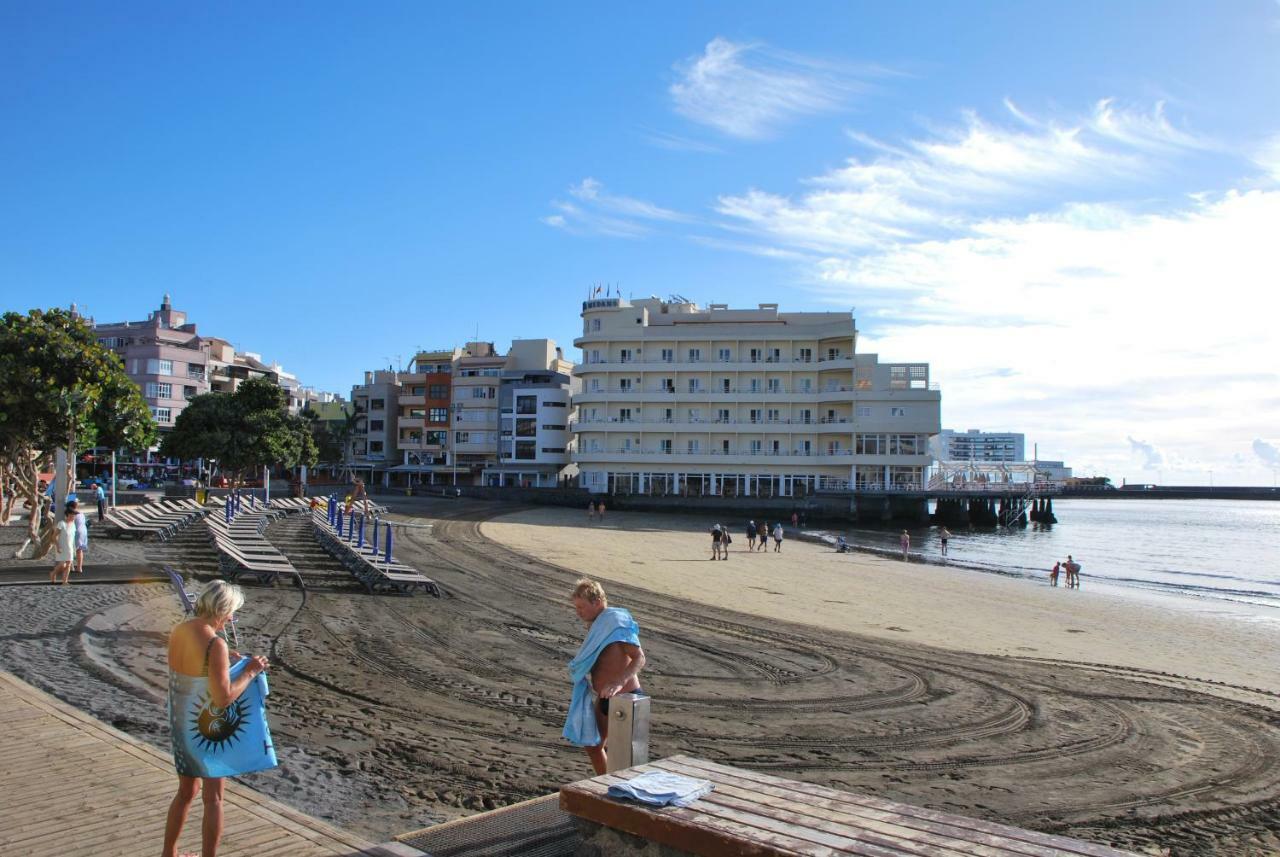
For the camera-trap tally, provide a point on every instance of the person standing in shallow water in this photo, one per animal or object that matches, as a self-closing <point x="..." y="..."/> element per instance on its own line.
<point x="945" y="536"/>
<point x="904" y="541"/>
<point x="608" y="663"/>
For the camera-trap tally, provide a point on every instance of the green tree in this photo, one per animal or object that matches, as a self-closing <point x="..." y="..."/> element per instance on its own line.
<point x="243" y="431"/>
<point x="59" y="388"/>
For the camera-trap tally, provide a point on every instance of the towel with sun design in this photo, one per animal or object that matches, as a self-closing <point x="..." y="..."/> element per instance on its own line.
<point x="209" y="741"/>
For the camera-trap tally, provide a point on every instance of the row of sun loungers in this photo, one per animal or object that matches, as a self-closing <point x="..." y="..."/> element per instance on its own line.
<point x="161" y="519"/>
<point x="376" y="569"/>
<point x="242" y="549"/>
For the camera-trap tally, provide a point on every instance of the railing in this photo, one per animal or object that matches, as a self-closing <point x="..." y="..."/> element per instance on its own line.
<point x="765" y="361"/>
<point x="722" y="391"/>
<point x="942" y="485"/>
<point x="762" y="453"/>
<point x="612" y="421"/>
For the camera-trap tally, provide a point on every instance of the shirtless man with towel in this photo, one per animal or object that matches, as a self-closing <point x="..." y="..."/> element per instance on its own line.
<point x="607" y="663"/>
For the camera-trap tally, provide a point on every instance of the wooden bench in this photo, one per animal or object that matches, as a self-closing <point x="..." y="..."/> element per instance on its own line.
<point x="763" y="816"/>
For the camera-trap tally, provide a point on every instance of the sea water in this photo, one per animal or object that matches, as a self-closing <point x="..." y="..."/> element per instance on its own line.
<point x="1218" y="549"/>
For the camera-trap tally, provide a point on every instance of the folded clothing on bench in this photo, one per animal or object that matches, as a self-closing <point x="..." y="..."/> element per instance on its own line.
<point x="661" y="788"/>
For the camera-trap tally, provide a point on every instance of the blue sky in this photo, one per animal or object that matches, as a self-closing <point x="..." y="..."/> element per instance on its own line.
<point x="1070" y="210"/>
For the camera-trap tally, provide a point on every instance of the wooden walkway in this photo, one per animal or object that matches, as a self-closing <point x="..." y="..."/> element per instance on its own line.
<point x="71" y="784"/>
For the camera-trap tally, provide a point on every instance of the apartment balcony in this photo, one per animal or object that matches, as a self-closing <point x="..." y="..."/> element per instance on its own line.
<point x="411" y="422"/>
<point x="718" y="458"/>
<point x="763" y="364"/>
<point x="411" y="401"/>
<point x="763" y="395"/>
<point x="196" y="374"/>
<point x="840" y="425"/>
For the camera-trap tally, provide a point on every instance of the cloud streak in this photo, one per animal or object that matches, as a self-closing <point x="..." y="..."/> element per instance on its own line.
<point x="748" y="91"/>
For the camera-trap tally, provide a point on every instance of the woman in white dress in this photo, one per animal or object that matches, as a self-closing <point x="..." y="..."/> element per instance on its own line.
<point x="64" y="546"/>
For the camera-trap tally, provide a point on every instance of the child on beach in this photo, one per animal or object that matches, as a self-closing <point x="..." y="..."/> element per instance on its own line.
<point x="591" y="511"/>
<point x="1053" y="574"/>
<point x="762" y="534"/>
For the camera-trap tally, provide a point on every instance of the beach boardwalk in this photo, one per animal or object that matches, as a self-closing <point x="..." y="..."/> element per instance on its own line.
<point x="755" y="814"/>
<point x="70" y="784"/>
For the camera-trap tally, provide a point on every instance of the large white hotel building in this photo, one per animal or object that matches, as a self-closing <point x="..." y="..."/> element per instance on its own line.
<point x="680" y="400"/>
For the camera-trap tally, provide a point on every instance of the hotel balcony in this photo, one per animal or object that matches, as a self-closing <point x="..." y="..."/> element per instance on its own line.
<point x="407" y="401"/>
<point x="411" y="422"/>
<point x="647" y="457"/>
<point x="841" y="425"/>
<point x="763" y="364"/>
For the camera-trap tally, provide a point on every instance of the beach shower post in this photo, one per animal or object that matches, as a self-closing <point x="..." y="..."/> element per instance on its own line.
<point x="627" y="743"/>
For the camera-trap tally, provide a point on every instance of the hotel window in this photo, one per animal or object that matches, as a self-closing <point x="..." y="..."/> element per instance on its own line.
<point x="462" y="437"/>
<point x="725" y="386"/>
<point x="595" y="385"/>
<point x="869" y="444"/>
<point x="668" y="355"/>
<point x="695" y="355"/>
<point x="806" y="385"/>
<point x="624" y="355"/>
<point x="755" y="447"/>
<point x="438" y="415"/>
<point x="159" y="367"/>
<point x="189" y="393"/>
<point x="725" y="355"/>
<point x="526" y="450"/>
<point x="624" y="415"/>
<point x="694" y="447"/>
<point x="833" y="353"/>
<point x="806" y="415"/>
<point x="864" y="411"/>
<point x="526" y="404"/>
<point x="595" y="356"/>
<point x="722" y="415"/>
<point x="437" y="391"/>
<point x="477" y="393"/>
<point x="375" y="446"/>
<point x="526" y="428"/>
<point x="755" y="415"/>
<point x="897" y="412"/>
<point x="695" y="415"/>
<point x="375" y="425"/>
<point x="377" y="405"/>
<point x="695" y="384"/>
<point x="833" y="448"/>
<point x="754" y="385"/>
<point x="774" y="415"/>
<point x="435" y="437"/>
<point x="595" y="324"/>
<point x="806" y="355"/>
<point x="754" y="355"/>
<point x="159" y="391"/>
<point x="775" y="385"/>
<point x="775" y="355"/>
<point x="667" y="415"/>
<point x="624" y="384"/>
<point x="806" y="447"/>
<point x="668" y="385"/>
<point x="724" y="447"/>
<point x="162" y="415"/>
<point x="552" y="427"/>
<point x="664" y="446"/>
<point x="775" y="447"/>
<point x="595" y="444"/>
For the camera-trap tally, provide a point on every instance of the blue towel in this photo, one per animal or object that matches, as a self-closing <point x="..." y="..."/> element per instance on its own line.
<point x="613" y="625"/>
<point x="661" y="788"/>
<point x="219" y="742"/>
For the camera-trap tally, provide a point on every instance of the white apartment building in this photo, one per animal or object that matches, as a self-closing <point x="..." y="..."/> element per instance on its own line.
<point x="975" y="445"/>
<point x="535" y="408"/>
<point x="679" y="400"/>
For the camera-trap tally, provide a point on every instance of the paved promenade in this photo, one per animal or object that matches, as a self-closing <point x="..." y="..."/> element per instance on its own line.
<point x="74" y="785"/>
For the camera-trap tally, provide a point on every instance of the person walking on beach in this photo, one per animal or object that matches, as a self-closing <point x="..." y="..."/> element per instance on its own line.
<point x="200" y="688"/>
<point x="64" y="547"/>
<point x="1053" y="574"/>
<point x="904" y="541"/>
<point x="716" y="536"/>
<point x="945" y="536"/>
<point x="762" y="534"/>
<point x="82" y="536"/>
<point x="751" y="536"/>
<point x="591" y="511"/>
<point x="100" y="495"/>
<point x="795" y="520"/>
<point x="600" y="510"/>
<point x="725" y="541"/>
<point x="777" y="537"/>
<point x="608" y="662"/>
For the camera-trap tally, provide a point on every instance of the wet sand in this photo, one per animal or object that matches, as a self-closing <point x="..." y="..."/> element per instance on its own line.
<point x="391" y="713"/>
<point x="952" y="608"/>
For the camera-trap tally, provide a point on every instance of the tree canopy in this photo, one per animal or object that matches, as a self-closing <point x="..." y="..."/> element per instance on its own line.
<point x="244" y="430"/>
<point x="58" y="384"/>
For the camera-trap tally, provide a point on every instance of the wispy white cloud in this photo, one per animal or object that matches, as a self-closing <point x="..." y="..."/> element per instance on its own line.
<point x="598" y="212"/>
<point x="678" y="143"/>
<point x="1267" y="452"/>
<point x="749" y="90"/>
<point x="1267" y="157"/>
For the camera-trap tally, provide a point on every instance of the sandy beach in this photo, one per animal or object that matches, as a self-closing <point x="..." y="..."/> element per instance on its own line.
<point x="951" y="608"/>
<point x="393" y="713"/>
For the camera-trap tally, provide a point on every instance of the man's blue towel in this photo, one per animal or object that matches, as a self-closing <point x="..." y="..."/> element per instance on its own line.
<point x="660" y="788"/>
<point x="613" y="625"/>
